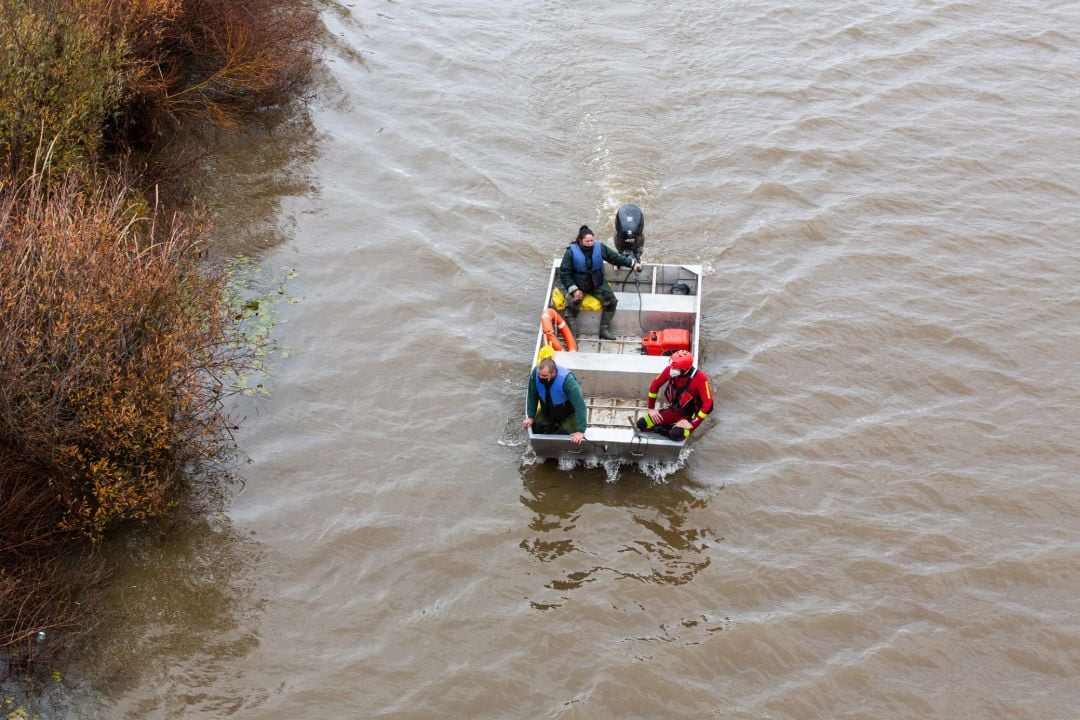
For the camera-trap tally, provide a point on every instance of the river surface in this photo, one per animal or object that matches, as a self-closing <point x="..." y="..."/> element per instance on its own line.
<point x="884" y="521"/>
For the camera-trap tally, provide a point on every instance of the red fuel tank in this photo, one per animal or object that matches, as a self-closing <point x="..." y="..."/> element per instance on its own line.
<point x="665" y="342"/>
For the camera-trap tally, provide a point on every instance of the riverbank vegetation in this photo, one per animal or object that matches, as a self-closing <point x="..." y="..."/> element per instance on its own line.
<point x="118" y="343"/>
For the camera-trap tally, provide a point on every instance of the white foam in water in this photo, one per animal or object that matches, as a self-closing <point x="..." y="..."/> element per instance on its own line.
<point x="529" y="458"/>
<point x="567" y="464"/>
<point x="512" y="434"/>
<point x="656" y="470"/>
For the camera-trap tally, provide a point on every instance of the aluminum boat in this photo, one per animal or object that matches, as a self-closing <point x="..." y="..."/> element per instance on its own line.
<point x="615" y="374"/>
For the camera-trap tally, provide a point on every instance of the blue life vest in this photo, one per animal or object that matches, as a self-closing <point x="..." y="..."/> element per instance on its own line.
<point x="583" y="277"/>
<point x="559" y="406"/>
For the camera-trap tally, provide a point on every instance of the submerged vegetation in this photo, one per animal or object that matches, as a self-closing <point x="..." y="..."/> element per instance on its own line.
<point x="119" y="343"/>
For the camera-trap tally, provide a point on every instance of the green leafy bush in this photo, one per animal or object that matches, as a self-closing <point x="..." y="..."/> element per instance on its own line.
<point x="61" y="81"/>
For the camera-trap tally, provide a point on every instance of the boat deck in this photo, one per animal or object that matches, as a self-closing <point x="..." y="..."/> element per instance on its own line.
<point x="624" y="345"/>
<point x="614" y="412"/>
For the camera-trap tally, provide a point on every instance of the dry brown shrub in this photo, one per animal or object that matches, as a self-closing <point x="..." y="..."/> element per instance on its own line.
<point x="43" y="577"/>
<point x="117" y="348"/>
<point x="116" y="352"/>
<point x="215" y="60"/>
<point x="113" y="347"/>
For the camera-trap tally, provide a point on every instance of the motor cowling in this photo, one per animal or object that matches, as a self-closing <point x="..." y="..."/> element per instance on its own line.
<point x="630" y="230"/>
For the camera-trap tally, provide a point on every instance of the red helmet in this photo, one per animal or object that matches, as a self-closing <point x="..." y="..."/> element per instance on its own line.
<point x="682" y="360"/>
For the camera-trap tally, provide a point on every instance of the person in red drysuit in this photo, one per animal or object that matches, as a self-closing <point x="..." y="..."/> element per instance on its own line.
<point x="688" y="397"/>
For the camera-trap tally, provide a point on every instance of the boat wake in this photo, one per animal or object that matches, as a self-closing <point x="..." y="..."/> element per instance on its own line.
<point x="656" y="470"/>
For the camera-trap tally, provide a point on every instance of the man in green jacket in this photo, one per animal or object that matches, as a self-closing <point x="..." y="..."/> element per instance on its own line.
<point x="555" y="404"/>
<point x="582" y="272"/>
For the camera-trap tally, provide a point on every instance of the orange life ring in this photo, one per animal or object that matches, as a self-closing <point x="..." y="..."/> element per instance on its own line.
<point x="549" y="320"/>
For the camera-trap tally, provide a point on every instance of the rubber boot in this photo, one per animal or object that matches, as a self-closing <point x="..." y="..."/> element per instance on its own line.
<point x="605" y="325"/>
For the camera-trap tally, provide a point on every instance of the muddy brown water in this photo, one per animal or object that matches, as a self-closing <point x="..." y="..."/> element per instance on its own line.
<point x="884" y="522"/>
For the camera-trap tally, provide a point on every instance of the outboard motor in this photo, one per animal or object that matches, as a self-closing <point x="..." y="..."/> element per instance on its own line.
<point x="630" y="231"/>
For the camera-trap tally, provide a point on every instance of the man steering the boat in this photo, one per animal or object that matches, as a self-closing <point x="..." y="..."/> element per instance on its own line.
<point x="688" y="396"/>
<point x="555" y="404"/>
<point x="582" y="272"/>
